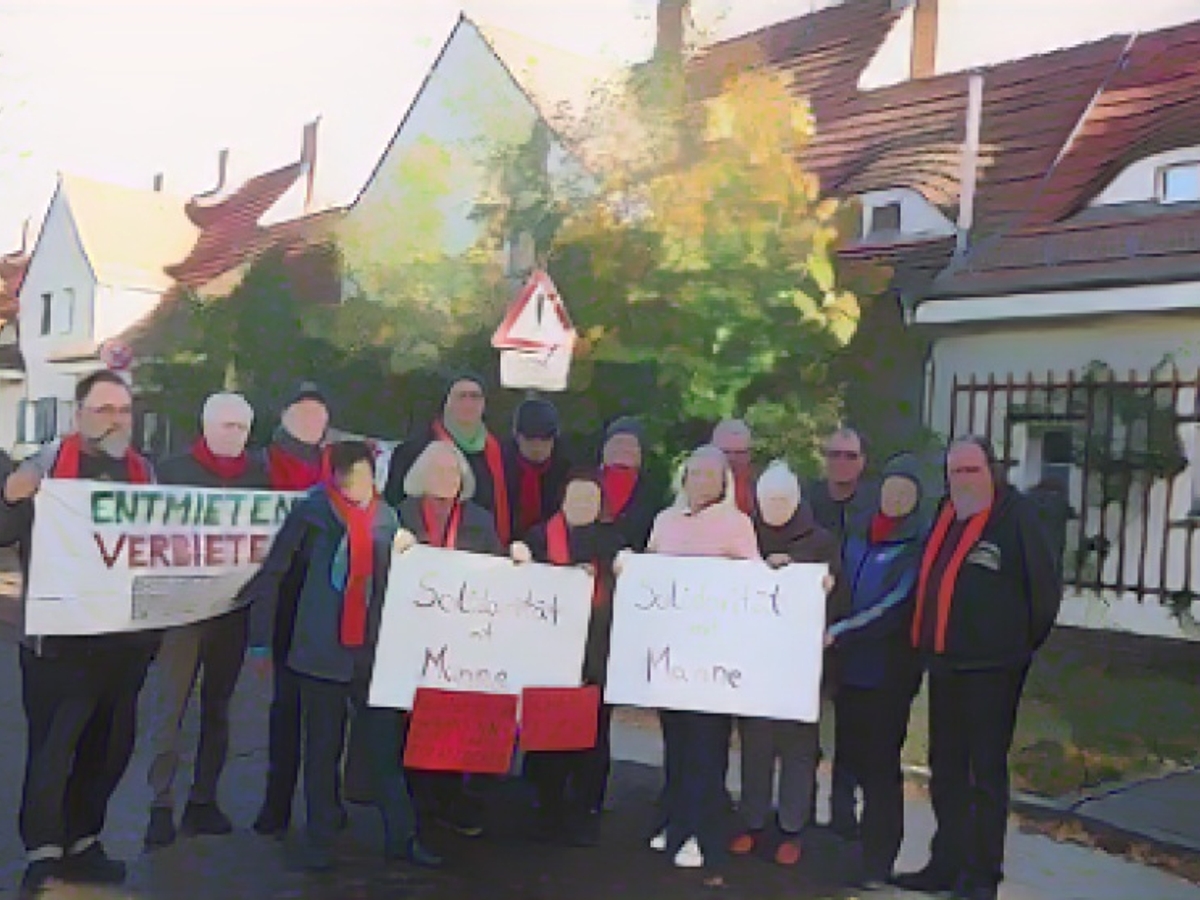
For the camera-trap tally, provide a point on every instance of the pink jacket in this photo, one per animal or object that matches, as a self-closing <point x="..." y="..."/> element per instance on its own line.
<point x="720" y="530"/>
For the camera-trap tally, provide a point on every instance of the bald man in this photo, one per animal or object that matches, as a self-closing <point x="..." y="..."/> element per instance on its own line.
<point x="217" y="459"/>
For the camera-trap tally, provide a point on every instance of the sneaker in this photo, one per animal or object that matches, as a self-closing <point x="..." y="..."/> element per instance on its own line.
<point x="93" y="866"/>
<point x="160" y="830"/>
<point x="928" y="880"/>
<point x="37" y="878"/>
<point x="204" y="818"/>
<point x="658" y="843"/>
<point x="271" y="823"/>
<point x="744" y="843"/>
<point x="689" y="855"/>
<point x="789" y="851"/>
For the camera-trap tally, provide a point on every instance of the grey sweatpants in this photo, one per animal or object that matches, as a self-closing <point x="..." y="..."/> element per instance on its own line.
<point x="216" y="649"/>
<point x="795" y="745"/>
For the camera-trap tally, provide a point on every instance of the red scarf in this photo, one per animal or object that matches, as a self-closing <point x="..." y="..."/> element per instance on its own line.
<point x="495" y="464"/>
<point x="360" y="527"/>
<point x="616" y="487"/>
<point x="743" y="484"/>
<point x="882" y="527"/>
<point x="69" y="451"/>
<point x="291" y="473"/>
<point x="227" y="468"/>
<point x="945" y="596"/>
<point x="529" y="502"/>
<point x="558" y="552"/>
<point x="447" y="539"/>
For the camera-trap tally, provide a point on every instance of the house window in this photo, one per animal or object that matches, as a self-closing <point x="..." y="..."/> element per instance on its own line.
<point x="1179" y="183"/>
<point x="47" y="312"/>
<point x="66" y="311"/>
<point x="37" y="421"/>
<point x="1057" y="455"/>
<point x="884" y="218"/>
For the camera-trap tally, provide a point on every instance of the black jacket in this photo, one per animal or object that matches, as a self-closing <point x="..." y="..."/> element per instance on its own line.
<point x="476" y="530"/>
<point x="637" y="518"/>
<point x="1007" y="594"/>
<point x="845" y="517"/>
<point x="185" y="469"/>
<point x="597" y="544"/>
<point x="313" y="538"/>
<point x="554" y="483"/>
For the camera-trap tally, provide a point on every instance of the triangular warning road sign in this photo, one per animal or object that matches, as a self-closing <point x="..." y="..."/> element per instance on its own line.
<point x="536" y="320"/>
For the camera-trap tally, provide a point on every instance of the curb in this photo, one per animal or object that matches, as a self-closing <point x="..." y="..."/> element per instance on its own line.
<point x="1109" y="836"/>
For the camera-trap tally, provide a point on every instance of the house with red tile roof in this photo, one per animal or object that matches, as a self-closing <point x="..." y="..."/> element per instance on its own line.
<point x="1043" y="219"/>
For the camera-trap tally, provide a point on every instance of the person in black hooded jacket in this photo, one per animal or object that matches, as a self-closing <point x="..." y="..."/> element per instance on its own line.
<point x="878" y="672"/>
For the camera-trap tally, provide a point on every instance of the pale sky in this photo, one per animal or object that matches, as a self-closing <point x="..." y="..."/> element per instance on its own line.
<point x="122" y="89"/>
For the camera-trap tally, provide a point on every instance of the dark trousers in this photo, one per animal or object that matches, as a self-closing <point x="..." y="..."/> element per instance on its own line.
<point x="214" y="650"/>
<point x="843" y="791"/>
<point x="573" y="783"/>
<point x="696" y="759"/>
<point x="81" y="715"/>
<point x="283" y="742"/>
<point x="381" y="736"/>
<point x="870" y="727"/>
<point x="971" y="719"/>
<point x="324" y="706"/>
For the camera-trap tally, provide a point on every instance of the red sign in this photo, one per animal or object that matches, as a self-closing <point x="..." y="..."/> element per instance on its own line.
<point x="461" y="731"/>
<point x="116" y="356"/>
<point x="559" y="718"/>
<point x="537" y="319"/>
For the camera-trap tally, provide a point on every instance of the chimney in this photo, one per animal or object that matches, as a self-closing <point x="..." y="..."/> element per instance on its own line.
<point x="222" y="170"/>
<point x="158" y="183"/>
<point x="25" y="235"/>
<point x="923" y="62"/>
<point x="970" y="162"/>
<point x="672" y="19"/>
<point x="308" y="157"/>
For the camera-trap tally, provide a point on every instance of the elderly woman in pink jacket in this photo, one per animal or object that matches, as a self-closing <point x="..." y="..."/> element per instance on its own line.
<point x="704" y="521"/>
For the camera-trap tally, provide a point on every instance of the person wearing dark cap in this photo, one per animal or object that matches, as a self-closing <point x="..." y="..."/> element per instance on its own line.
<point x="296" y="460"/>
<point x="878" y="672"/>
<point x="629" y="500"/>
<point x="461" y="423"/>
<point x="535" y="466"/>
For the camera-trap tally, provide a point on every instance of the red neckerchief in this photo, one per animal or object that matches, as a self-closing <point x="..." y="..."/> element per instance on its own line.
<point x="494" y="457"/>
<point x="69" y="451"/>
<point x="290" y="473"/>
<point x="529" y="500"/>
<point x="360" y="526"/>
<point x="558" y="551"/>
<point x="448" y="539"/>
<point x="945" y="595"/>
<point x="616" y="488"/>
<point x="227" y="468"/>
<point x="743" y="484"/>
<point x="882" y="527"/>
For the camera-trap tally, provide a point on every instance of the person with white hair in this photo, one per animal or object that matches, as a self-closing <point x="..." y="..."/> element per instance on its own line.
<point x="216" y="647"/>
<point x="438" y="510"/>
<point x="704" y="521"/>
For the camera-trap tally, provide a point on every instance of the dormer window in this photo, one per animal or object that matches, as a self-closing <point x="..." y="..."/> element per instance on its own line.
<point x="884" y="219"/>
<point x="1179" y="183"/>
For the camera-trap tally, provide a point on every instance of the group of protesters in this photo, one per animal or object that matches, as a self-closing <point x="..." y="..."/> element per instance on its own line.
<point x="964" y="598"/>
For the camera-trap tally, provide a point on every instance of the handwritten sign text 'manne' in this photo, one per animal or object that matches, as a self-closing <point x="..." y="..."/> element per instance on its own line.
<point x="112" y="557"/>
<point x="716" y="635"/>
<point x="467" y="622"/>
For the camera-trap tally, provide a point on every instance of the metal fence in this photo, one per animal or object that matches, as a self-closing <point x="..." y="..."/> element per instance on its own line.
<point x="1116" y="450"/>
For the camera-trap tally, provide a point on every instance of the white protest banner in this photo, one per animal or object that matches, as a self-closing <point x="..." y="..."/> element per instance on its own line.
<point x="718" y="635"/>
<point x="467" y="622"/>
<point x="116" y="557"/>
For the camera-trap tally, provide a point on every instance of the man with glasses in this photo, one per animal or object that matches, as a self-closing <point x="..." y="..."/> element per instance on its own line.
<point x="79" y="693"/>
<point x="843" y="503"/>
<point x="733" y="438"/>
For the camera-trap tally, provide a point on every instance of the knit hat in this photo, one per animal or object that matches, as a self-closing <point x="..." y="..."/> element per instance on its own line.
<point x="625" y="425"/>
<point x="778" y="480"/>
<point x="536" y="418"/>
<point x="308" y="390"/>
<point x="904" y="465"/>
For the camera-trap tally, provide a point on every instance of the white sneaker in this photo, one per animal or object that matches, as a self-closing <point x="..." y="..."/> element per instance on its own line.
<point x="689" y="856"/>
<point x="658" y="843"/>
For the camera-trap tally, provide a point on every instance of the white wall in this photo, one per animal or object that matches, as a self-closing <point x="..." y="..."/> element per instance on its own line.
<point x="117" y="309"/>
<point x="1138" y="182"/>
<point x="469" y="107"/>
<point x="58" y="263"/>
<point x="917" y="215"/>
<point x="1129" y="343"/>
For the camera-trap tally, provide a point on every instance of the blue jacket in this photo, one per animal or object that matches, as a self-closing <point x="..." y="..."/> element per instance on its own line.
<point x="871" y="641"/>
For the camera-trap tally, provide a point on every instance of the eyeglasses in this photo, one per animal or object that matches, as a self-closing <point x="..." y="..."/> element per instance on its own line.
<point x="110" y="410"/>
<point x="842" y="454"/>
<point x="467" y="395"/>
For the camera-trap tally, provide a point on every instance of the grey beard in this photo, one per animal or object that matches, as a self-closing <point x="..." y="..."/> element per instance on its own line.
<point x="114" y="444"/>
